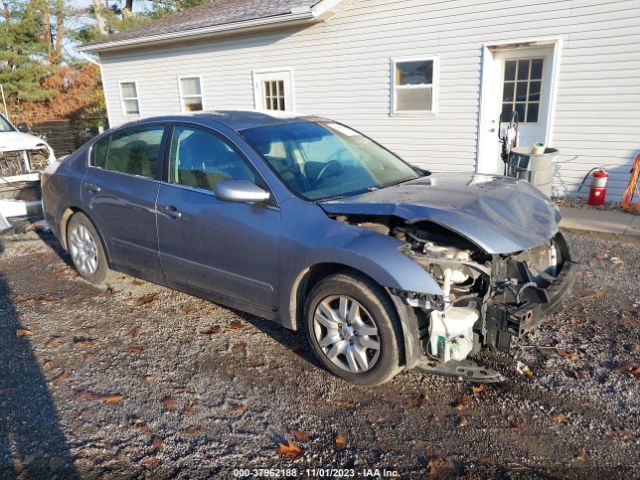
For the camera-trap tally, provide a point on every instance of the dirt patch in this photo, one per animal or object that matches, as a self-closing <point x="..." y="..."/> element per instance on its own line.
<point x="137" y="380"/>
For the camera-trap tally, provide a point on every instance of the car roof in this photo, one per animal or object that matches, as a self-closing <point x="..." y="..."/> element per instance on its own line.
<point x="234" y="119"/>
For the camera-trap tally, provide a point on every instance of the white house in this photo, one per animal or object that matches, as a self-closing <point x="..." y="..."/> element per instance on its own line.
<point x="427" y="78"/>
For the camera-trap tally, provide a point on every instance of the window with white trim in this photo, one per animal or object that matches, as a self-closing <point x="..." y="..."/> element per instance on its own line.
<point x="191" y="94"/>
<point x="273" y="90"/>
<point x="414" y="85"/>
<point x="129" y="94"/>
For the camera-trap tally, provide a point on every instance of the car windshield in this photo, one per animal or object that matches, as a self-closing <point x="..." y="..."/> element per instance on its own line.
<point x="5" y="126"/>
<point x="320" y="160"/>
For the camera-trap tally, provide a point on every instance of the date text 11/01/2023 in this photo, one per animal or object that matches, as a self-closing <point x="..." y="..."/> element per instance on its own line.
<point x="315" y="473"/>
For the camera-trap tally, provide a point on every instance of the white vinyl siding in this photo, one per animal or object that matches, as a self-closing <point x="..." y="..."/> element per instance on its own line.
<point x="342" y="70"/>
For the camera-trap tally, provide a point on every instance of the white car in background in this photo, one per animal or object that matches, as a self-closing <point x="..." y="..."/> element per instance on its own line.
<point x="22" y="158"/>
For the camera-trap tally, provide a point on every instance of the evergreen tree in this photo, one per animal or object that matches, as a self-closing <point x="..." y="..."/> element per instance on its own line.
<point x="25" y="49"/>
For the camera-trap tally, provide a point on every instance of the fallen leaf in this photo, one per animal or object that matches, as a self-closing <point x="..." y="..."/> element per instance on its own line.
<point x="590" y="294"/>
<point x="47" y="365"/>
<point x="179" y="389"/>
<point x="291" y="450"/>
<point x="212" y="330"/>
<point x="341" y="442"/>
<point x="137" y="350"/>
<point x="300" y="436"/>
<point x="567" y="354"/>
<point x="169" y="404"/>
<point x="135" y="331"/>
<point x="83" y="341"/>
<point x="142" y="428"/>
<point x="344" y="404"/>
<point x="192" y="430"/>
<point x="631" y="368"/>
<point x="238" y="408"/>
<point x="44" y="301"/>
<point x="60" y="378"/>
<point x="137" y="282"/>
<point x="616" y="260"/>
<point x="55" y="463"/>
<point x="55" y="342"/>
<point x="624" y="433"/>
<point x="558" y="417"/>
<point x="88" y="355"/>
<point x="478" y="388"/>
<point x="32" y="457"/>
<point x="149" y="462"/>
<point x="461" y="403"/>
<point x="239" y="345"/>
<point x="108" y="399"/>
<point x="188" y="408"/>
<point x="434" y="419"/>
<point x="23" y="332"/>
<point x="602" y="257"/>
<point x="628" y="321"/>
<point x="636" y="349"/>
<point x="158" y="443"/>
<point x="435" y="464"/>
<point x="6" y="391"/>
<point x="147" y="299"/>
<point x="582" y="455"/>
<point x="147" y="378"/>
<point x="187" y="308"/>
<point x="236" y="325"/>
<point x="462" y="421"/>
<point x="575" y="321"/>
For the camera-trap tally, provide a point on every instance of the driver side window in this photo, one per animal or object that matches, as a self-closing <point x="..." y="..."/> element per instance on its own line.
<point x="200" y="159"/>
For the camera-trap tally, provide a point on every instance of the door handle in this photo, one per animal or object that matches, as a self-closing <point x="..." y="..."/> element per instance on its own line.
<point x="91" y="187"/>
<point x="171" y="211"/>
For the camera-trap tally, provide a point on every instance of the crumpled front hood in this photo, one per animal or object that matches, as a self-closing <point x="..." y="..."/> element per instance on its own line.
<point x="499" y="214"/>
<point x="12" y="141"/>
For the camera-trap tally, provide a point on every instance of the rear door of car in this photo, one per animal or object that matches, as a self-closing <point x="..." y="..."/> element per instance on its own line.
<point x="120" y="191"/>
<point x="227" y="248"/>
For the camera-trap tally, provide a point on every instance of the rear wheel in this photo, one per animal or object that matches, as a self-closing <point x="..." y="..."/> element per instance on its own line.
<point x="86" y="250"/>
<point x="353" y="329"/>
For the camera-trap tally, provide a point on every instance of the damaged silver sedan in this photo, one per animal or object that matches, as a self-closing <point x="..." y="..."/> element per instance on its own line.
<point x="22" y="158"/>
<point x="311" y="224"/>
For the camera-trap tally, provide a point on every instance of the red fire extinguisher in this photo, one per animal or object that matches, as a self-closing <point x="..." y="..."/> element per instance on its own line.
<point x="598" y="189"/>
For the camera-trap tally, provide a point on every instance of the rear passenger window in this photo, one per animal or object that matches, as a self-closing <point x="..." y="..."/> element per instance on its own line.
<point x="136" y="152"/>
<point x="201" y="159"/>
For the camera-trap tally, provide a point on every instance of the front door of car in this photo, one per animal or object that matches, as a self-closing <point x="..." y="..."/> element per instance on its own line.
<point x="228" y="248"/>
<point x="119" y="192"/>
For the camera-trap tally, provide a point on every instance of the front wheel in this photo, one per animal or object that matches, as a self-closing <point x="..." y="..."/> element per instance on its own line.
<point x="86" y="250"/>
<point x="353" y="329"/>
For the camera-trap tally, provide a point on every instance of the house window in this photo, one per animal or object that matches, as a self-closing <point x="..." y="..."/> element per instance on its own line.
<point x="191" y="94"/>
<point x="414" y="85"/>
<point x="129" y="94"/>
<point x="273" y="90"/>
<point x="521" y="88"/>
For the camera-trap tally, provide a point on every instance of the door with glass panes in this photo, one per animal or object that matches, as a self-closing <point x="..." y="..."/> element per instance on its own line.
<point x="517" y="80"/>
<point x="273" y="90"/>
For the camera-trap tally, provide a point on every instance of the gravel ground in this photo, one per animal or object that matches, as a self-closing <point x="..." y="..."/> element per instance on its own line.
<point x="140" y="381"/>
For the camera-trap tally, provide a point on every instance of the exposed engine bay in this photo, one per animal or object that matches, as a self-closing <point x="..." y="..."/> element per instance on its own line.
<point x="486" y="299"/>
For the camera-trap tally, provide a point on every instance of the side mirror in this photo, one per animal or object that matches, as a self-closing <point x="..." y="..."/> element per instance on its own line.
<point x="240" y="191"/>
<point x="23" y="127"/>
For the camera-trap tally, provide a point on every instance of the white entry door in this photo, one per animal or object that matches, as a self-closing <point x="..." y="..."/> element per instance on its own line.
<point x="273" y="90"/>
<point x="517" y="80"/>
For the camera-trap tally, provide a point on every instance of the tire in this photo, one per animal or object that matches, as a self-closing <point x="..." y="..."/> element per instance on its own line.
<point x="367" y="305"/>
<point x="86" y="249"/>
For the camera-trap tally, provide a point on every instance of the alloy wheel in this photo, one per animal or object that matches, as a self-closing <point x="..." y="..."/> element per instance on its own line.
<point x="346" y="333"/>
<point x="83" y="249"/>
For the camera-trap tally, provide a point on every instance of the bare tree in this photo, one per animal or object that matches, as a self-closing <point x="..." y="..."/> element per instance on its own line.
<point x="100" y="20"/>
